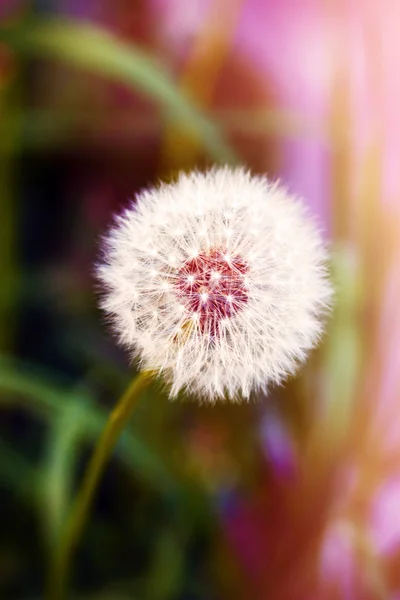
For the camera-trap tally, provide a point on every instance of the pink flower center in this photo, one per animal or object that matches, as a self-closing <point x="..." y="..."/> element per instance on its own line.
<point x="212" y="286"/>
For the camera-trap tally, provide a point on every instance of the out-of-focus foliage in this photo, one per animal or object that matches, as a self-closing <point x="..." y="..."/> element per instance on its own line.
<point x="94" y="49"/>
<point x="297" y="494"/>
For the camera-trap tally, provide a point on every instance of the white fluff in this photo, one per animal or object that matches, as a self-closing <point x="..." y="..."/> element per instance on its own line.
<point x="279" y="296"/>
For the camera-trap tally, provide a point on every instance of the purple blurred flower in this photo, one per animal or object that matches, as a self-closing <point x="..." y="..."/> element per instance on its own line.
<point x="277" y="444"/>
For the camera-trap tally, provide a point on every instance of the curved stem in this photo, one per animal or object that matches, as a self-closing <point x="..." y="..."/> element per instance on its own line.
<point x="63" y="554"/>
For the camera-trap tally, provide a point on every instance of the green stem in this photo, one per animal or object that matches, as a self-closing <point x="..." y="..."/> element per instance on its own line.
<point x="63" y="554"/>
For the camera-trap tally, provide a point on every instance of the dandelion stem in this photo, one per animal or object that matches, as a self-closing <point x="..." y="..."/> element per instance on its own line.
<point x="69" y="539"/>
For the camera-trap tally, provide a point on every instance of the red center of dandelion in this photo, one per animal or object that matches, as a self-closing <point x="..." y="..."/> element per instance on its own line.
<point x="212" y="287"/>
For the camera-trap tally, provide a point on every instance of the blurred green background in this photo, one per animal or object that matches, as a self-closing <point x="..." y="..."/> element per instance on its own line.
<point x="297" y="495"/>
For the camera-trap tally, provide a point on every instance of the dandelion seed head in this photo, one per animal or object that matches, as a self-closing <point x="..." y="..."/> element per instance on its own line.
<point x="218" y="281"/>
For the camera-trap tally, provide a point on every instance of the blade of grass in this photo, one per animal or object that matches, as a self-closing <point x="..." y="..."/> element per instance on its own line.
<point x="62" y="558"/>
<point x="19" y="386"/>
<point x="89" y="47"/>
<point x="16" y="472"/>
<point x="58" y="470"/>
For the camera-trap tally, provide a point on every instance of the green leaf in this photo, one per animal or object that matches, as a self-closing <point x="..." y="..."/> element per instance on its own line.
<point x="90" y="47"/>
<point x="23" y="384"/>
<point x="57" y="473"/>
<point x="16" y="472"/>
<point x="20" y="385"/>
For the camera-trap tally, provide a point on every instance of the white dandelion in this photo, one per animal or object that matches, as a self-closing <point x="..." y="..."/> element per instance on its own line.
<point x="216" y="281"/>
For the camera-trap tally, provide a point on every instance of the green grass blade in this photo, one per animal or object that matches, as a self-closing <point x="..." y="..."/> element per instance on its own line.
<point x="20" y="385"/>
<point x="93" y="48"/>
<point x="57" y="472"/>
<point x="16" y="472"/>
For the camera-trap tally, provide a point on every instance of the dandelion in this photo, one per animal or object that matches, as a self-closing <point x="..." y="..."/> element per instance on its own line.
<point x="216" y="281"/>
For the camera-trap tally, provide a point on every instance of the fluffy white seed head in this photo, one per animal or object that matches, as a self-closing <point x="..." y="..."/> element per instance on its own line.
<point x="217" y="281"/>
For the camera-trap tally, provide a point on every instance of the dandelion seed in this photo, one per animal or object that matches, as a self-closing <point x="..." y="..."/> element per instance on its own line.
<point x="229" y="319"/>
